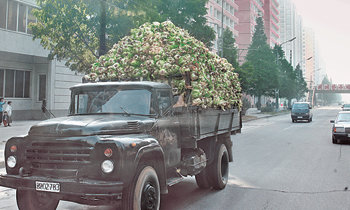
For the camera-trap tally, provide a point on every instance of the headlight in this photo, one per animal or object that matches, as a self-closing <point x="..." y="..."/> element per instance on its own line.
<point x="11" y="161"/>
<point x="107" y="166"/>
<point x="339" y="129"/>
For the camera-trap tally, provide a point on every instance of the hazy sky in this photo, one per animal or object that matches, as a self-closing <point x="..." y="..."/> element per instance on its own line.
<point x="330" y="21"/>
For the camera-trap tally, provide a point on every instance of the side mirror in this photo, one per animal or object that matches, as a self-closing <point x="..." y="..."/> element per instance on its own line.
<point x="332" y="121"/>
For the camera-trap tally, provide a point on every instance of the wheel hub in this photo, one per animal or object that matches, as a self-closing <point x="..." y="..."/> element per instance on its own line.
<point x="149" y="197"/>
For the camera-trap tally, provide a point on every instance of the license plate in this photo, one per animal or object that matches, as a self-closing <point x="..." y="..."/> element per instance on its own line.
<point x="47" y="186"/>
<point x="348" y="135"/>
<point x="300" y="117"/>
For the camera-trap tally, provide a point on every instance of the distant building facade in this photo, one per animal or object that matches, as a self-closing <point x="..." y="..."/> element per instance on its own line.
<point x="271" y="21"/>
<point x="291" y="25"/>
<point x="216" y="20"/>
<point x="27" y="76"/>
<point x="248" y="11"/>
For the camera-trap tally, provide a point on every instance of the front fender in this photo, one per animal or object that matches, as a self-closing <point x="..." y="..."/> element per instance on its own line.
<point x="153" y="155"/>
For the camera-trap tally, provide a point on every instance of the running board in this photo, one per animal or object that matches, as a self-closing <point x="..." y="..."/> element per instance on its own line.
<point x="174" y="180"/>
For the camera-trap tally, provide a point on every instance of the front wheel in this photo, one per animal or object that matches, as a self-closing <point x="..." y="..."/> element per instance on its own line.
<point x="143" y="192"/>
<point x="32" y="200"/>
<point x="220" y="168"/>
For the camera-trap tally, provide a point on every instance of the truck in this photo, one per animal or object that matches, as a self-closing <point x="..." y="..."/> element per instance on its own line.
<point x="122" y="144"/>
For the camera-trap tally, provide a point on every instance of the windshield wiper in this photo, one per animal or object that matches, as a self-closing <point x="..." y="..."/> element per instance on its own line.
<point x="125" y="111"/>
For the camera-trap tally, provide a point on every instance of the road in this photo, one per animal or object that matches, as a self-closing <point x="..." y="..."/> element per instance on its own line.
<point x="278" y="165"/>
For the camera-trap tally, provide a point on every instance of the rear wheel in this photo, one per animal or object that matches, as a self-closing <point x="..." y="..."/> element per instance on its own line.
<point x="144" y="191"/>
<point x="32" y="200"/>
<point x="218" y="173"/>
<point x="202" y="179"/>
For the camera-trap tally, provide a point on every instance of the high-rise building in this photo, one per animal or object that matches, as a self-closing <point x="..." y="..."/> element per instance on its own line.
<point x="311" y="57"/>
<point x="291" y="25"/>
<point x="248" y="11"/>
<point x="218" y="21"/>
<point x="271" y="21"/>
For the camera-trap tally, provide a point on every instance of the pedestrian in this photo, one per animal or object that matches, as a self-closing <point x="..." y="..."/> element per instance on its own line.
<point x="2" y="102"/>
<point x="8" y="109"/>
<point x="5" y="118"/>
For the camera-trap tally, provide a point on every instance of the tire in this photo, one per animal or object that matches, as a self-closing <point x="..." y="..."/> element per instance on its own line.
<point x="334" y="140"/>
<point x="293" y="121"/>
<point x="219" y="168"/>
<point x="202" y="179"/>
<point x="32" y="200"/>
<point x="143" y="193"/>
<point x="311" y="119"/>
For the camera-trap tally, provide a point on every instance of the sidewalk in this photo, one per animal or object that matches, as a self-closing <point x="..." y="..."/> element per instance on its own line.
<point x="17" y="128"/>
<point x="254" y="114"/>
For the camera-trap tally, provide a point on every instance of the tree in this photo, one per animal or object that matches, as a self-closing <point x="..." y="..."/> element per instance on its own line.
<point x="189" y="15"/>
<point x="229" y="48"/>
<point x="246" y="77"/>
<point x="329" y="98"/>
<point x="301" y="86"/>
<point x="79" y="31"/>
<point x="287" y="76"/>
<point x="263" y="61"/>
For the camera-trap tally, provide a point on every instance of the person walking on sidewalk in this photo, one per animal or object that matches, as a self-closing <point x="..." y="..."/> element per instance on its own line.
<point x="8" y="109"/>
<point x="2" y="102"/>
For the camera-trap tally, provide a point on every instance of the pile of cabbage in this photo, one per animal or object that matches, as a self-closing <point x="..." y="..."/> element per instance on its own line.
<point x="159" y="51"/>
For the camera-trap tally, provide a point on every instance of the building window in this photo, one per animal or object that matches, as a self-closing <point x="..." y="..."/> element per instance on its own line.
<point x="22" y="18"/>
<point x="31" y="19"/>
<point x="42" y="87"/>
<point x="14" y="83"/>
<point x="16" y="16"/>
<point x="3" y="8"/>
<point x="12" y="16"/>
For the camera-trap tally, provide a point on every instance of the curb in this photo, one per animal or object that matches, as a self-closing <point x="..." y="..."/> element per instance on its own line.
<point x="268" y="116"/>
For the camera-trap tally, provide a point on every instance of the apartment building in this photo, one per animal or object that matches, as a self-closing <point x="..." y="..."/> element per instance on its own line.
<point x="27" y="76"/>
<point x="222" y="14"/>
<point x="271" y="21"/>
<point x="291" y="25"/>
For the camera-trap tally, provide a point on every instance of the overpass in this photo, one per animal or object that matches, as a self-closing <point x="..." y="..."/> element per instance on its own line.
<point x="328" y="88"/>
<point x="333" y="88"/>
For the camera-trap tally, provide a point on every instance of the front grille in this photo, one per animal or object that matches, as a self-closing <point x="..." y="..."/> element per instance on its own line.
<point x="347" y="130"/>
<point x="133" y="125"/>
<point x="56" y="156"/>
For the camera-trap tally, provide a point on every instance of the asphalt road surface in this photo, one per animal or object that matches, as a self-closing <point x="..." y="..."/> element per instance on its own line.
<point x="277" y="165"/>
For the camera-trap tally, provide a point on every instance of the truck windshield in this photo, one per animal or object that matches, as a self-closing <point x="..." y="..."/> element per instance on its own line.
<point x="111" y="102"/>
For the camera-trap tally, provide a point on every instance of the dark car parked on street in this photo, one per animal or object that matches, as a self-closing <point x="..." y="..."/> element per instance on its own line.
<point x="301" y="111"/>
<point x="346" y="107"/>
<point x="341" y="127"/>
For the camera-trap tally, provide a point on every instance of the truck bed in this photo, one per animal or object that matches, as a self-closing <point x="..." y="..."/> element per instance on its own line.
<point x="197" y="123"/>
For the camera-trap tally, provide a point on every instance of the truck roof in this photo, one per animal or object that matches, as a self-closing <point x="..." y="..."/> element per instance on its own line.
<point x="145" y="84"/>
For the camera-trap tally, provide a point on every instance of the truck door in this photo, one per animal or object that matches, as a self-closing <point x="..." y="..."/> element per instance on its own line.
<point x="168" y="127"/>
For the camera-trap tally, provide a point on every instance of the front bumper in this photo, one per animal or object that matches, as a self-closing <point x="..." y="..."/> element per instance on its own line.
<point x="69" y="188"/>
<point x="298" y="117"/>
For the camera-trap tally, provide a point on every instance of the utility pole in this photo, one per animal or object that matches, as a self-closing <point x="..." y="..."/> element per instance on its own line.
<point x="222" y="29"/>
